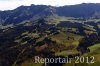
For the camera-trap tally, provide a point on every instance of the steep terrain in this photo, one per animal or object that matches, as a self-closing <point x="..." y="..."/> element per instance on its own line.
<point x="26" y="13"/>
<point x="48" y="31"/>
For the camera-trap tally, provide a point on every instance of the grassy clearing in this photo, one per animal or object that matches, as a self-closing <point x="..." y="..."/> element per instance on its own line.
<point x="66" y="53"/>
<point x="94" y="47"/>
<point x="94" y="51"/>
<point x="67" y="38"/>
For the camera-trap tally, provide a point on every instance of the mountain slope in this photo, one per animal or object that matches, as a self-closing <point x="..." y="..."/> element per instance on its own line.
<point x="24" y="13"/>
<point x="47" y="31"/>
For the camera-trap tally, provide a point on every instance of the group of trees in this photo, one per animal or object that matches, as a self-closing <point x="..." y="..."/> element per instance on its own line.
<point x="87" y="42"/>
